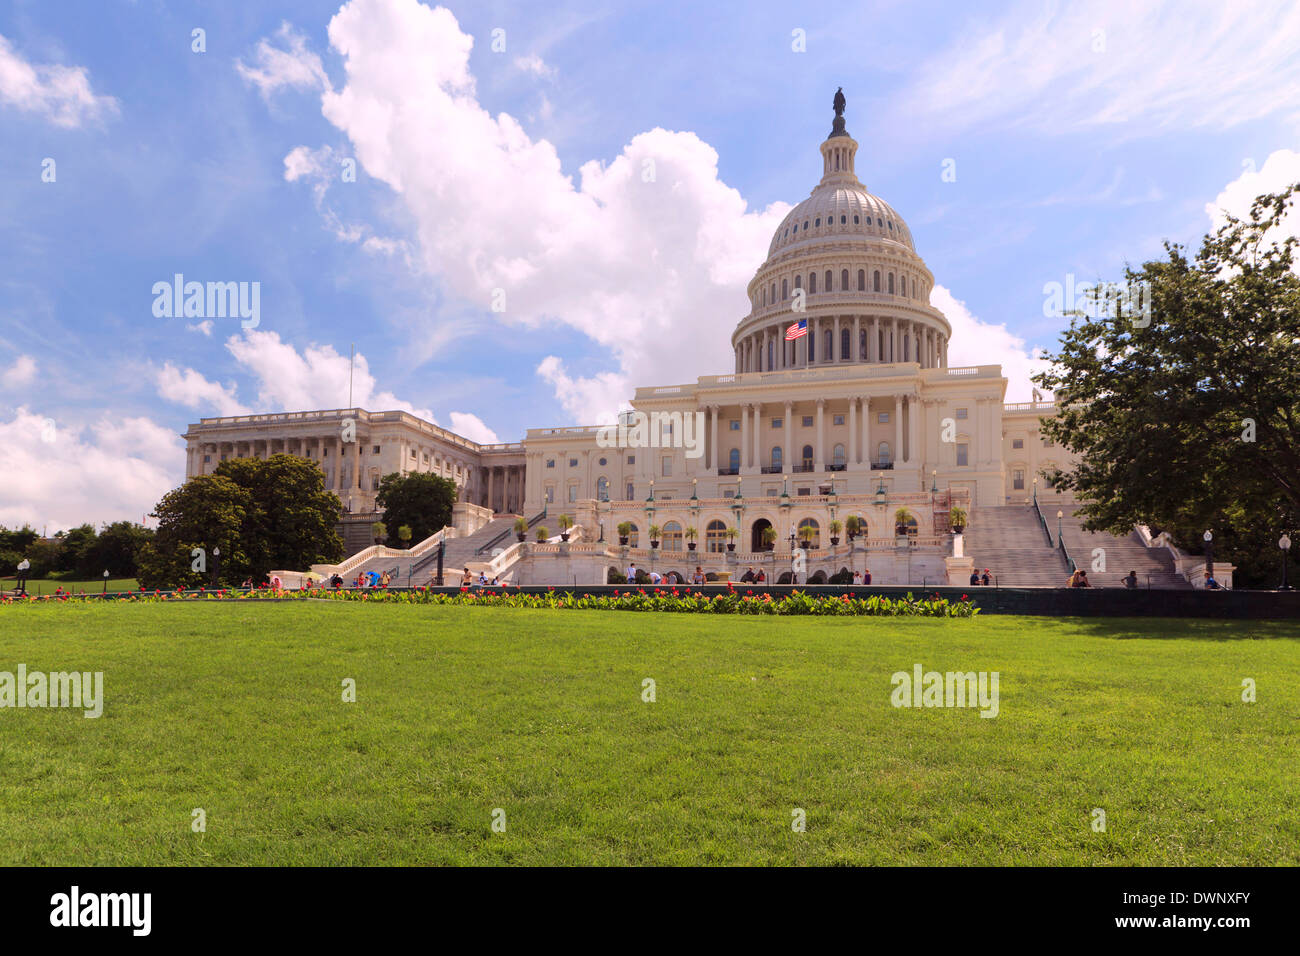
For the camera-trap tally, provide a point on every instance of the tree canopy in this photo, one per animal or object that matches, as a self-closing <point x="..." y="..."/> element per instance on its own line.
<point x="1192" y="421"/>
<point x="421" y="501"/>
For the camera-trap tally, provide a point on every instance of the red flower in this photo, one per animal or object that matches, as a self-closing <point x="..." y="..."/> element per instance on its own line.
<point x="963" y="597"/>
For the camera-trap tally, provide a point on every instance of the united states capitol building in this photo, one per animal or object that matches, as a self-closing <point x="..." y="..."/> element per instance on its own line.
<point x="855" y="414"/>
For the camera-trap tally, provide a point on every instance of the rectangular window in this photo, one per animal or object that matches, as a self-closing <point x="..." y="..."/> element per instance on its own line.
<point x="376" y="451"/>
<point x="883" y="418"/>
<point x="837" y="420"/>
<point x="804" y="492"/>
<point x="412" y="452"/>
<point x="550" y="494"/>
<point x="668" y="466"/>
<point x="807" y="421"/>
<point x="729" y="492"/>
<point x="1017" y="443"/>
<point x="208" y="458"/>
<point x="631" y="459"/>
<point x="734" y="424"/>
<point x="962" y="453"/>
<point x="550" y="463"/>
<point x="961" y="413"/>
<point x="630" y="491"/>
<point x="573" y="493"/>
<point x="1018" y="480"/>
<point x="778" y="423"/>
<point x="770" y="492"/>
<point x="573" y="463"/>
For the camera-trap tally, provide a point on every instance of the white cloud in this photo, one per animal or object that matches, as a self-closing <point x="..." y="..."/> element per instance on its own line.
<point x="471" y="426"/>
<point x="975" y="342"/>
<point x="191" y="389"/>
<point x="62" y="94"/>
<point x="205" y="327"/>
<point x="1178" y="63"/>
<point x="636" y="254"/>
<point x="66" y="473"/>
<point x="1280" y="171"/>
<point x="22" y="372"/>
<point x="290" y="65"/>
<point x="532" y="63"/>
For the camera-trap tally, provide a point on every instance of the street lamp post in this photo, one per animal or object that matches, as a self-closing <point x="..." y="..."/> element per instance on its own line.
<point x="1059" y="515"/>
<point x="1209" y="557"/>
<point x="216" y="560"/>
<point x="1284" y="544"/>
<point x="106" y="580"/>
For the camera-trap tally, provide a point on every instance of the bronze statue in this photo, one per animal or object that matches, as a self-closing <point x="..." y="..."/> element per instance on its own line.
<point x="839" y="102"/>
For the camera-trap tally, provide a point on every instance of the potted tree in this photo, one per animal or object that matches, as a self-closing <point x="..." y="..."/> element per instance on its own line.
<point x="521" y="528"/>
<point x="731" y="539"/>
<point x="566" y="522"/>
<point x="624" y="532"/>
<point x="379" y="531"/>
<point x="404" y="532"/>
<point x="542" y="533"/>
<point x="806" y="536"/>
<point x="654" y="536"/>
<point x="957" y="518"/>
<point x="836" y="526"/>
<point x="902" y="519"/>
<point x="691" y="534"/>
<point x="769" y="538"/>
<point x="853" y="526"/>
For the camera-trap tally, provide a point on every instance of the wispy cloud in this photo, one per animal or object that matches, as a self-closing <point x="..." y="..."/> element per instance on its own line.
<point x="61" y="94"/>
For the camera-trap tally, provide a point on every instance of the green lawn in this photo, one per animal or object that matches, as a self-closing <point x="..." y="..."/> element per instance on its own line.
<point x="236" y="709"/>
<point x="49" y="585"/>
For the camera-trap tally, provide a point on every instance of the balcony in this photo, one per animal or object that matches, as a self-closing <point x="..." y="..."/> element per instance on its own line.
<point x="882" y="466"/>
<point x="728" y="471"/>
<point x="837" y="467"/>
<point x="804" y="469"/>
<point x="771" y="469"/>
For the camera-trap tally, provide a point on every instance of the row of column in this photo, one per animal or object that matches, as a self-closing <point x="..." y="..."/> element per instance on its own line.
<point x="767" y="350"/>
<point x="859" y="427"/>
<point x="512" y="480"/>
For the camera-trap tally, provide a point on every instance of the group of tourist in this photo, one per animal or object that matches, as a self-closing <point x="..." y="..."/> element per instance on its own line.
<point x="468" y="580"/>
<point x="980" y="580"/>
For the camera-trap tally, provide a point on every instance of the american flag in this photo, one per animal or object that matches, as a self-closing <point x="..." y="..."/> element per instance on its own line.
<point x="796" y="330"/>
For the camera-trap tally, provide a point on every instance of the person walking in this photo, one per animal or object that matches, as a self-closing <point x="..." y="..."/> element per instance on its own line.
<point x="24" y="567"/>
<point x="1131" y="580"/>
<point x="986" y="580"/>
<point x="631" y="574"/>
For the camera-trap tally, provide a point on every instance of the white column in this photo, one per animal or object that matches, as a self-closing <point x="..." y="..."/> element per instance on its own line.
<point x="744" y="436"/>
<point x="836" y="358"/>
<point x="787" y="426"/>
<point x="853" y="425"/>
<point x="758" y="435"/>
<point x="820" y="463"/>
<point x="898" y="429"/>
<point x="913" y="429"/>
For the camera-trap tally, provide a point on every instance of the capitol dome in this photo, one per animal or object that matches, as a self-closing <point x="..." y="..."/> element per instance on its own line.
<point x="844" y="261"/>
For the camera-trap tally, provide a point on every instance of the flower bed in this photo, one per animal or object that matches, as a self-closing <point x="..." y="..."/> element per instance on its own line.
<point x="671" y="599"/>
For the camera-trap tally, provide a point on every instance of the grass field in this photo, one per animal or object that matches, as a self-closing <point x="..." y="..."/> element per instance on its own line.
<point x="237" y="709"/>
<point x="49" y="586"/>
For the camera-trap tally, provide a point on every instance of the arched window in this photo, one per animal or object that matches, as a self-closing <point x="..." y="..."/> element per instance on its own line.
<point x="770" y="346"/>
<point x="672" y="537"/>
<point x="862" y="345"/>
<point x="798" y="282"/>
<point x="807" y="458"/>
<point x="891" y="283"/>
<point x="715" y="537"/>
<point x="845" y="340"/>
<point x="765" y="297"/>
<point x="837" y="456"/>
<point x="830" y="280"/>
<point x="776" y="459"/>
<point x="884" y="455"/>
<point x="902" y="285"/>
<point x="812" y="282"/>
<point x="812" y="538"/>
<point x="774" y="292"/>
<point x="844" y="280"/>
<point x="785" y="289"/>
<point x="812" y="346"/>
<point x="733" y="460"/>
<point x="602" y="489"/>
<point x="830" y="346"/>
<point x="632" y="536"/>
<point x="875" y="281"/>
<point x="862" y="280"/>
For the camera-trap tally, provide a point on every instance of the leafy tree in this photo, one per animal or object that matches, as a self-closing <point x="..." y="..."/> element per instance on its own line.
<point x="208" y="512"/>
<point x="420" y="500"/>
<point x="76" y="551"/>
<point x="290" y="517"/>
<point x="117" y="549"/>
<point x="1192" y="422"/>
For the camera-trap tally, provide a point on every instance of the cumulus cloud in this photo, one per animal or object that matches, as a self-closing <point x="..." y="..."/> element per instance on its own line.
<point x="471" y="426"/>
<point x="205" y="327"/>
<point x="21" y="373"/>
<point x="641" y="255"/>
<point x="66" y="473"/>
<point x="189" y="388"/>
<point x="1280" y="171"/>
<point x="1057" y="67"/>
<point x="62" y="94"/>
<point x="532" y="63"/>
<point x="288" y="65"/>
<point x="975" y="342"/>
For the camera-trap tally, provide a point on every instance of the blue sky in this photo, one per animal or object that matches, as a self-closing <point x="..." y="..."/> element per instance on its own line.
<point x="1082" y="135"/>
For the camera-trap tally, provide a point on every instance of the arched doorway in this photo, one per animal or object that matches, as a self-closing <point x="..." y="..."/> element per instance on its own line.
<point x="756" y="535"/>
